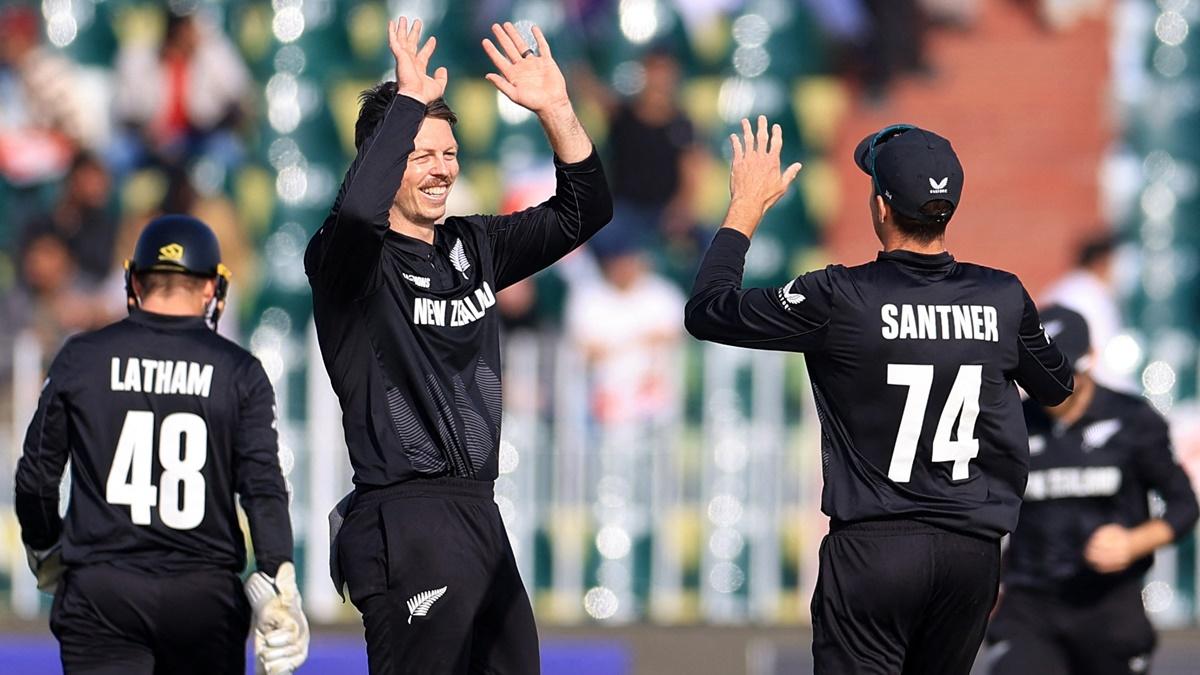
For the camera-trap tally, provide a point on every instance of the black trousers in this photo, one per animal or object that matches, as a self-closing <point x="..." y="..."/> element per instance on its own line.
<point x="1038" y="633"/>
<point x="429" y="565"/>
<point x="901" y="597"/>
<point x="109" y="620"/>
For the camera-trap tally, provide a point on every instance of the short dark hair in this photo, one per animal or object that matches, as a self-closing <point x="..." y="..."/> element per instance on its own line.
<point x="936" y="212"/>
<point x="168" y="282"/>
<point x="374" y="102"/>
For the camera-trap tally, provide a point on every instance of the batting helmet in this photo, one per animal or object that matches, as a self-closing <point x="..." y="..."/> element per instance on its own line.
<point x="179" y="244"/>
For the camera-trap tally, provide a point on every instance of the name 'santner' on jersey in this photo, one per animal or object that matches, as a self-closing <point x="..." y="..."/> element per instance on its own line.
<point x="913" y="360"/>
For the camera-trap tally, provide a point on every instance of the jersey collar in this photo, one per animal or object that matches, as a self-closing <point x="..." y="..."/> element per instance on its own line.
<point x="925" y="261"/>
<point x="138" y="315"/>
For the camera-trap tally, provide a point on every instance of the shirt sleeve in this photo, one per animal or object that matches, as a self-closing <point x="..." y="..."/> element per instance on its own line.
<point x="1042" y="370"/>
<point x="793" y="318"/>
<point x="257" y="475"/>
<point x="345" y="252"/>
<point x="1156" y="465"/>
<point x="528" y="241"/>
<point x="40" y="468"/>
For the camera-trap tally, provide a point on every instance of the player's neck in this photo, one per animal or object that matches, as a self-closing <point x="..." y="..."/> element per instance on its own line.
<point x="927" y="248"/>
<point x="1069" y="411"/>
<point x="173" y="304"/>
<point x="402" y="225"/>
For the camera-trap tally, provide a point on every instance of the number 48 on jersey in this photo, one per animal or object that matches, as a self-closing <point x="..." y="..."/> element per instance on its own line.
<point x="182" y="453"/>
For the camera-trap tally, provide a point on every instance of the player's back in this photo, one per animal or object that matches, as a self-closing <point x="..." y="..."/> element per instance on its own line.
<point x="155" y="411"/>
<point x="914" y="384"/>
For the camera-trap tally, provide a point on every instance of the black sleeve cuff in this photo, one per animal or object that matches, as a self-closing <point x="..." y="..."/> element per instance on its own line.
<point x="589" y="163"/>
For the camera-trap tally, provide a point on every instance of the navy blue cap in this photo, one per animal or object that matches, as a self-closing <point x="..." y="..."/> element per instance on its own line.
<point x="1069" y="330"/>
<point x="911" y="166"/>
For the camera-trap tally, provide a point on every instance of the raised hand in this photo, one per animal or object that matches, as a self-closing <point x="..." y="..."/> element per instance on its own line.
<point x="755" y="180"/>
<point x="530" y="78"/>
<point x="413" y="62"/>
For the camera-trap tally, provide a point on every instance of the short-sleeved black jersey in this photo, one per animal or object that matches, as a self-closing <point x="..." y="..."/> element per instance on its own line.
<point x="1098" y="470"/>
<point x="163" y="421"/>
<point x="912" y="359"/>
<point x="408" y="330"/>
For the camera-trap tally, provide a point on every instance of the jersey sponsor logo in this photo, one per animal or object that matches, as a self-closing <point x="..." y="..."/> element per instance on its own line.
<point x="788" y="298"/>
<point x="151" y="376"/>
<point x="171" y="252"/>
<point x="458" y="258"/>
<point x="456" y="312"/>
<point x="940" y="322"/>
<point x="1073" y="481"/>
<point x="938" y="187"/>
<point x="419" y="604"/>
<point x="421" y="282"/>
<point x="1098" y="434"/>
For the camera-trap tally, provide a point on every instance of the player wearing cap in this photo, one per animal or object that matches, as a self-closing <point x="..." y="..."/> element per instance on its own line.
<point x="1072" y="599"/>
<point x="163" y="421"/>
<point x="404" y="305"/>
<point x="913" y="359"/>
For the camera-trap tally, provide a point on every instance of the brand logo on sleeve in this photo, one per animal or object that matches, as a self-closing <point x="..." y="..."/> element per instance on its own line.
<point x="789" y="299"/>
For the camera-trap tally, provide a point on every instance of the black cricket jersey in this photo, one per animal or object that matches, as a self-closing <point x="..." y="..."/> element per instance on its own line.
<point x="163" y="421"/>
<point x="912" y="360"/>
<point x="409" y="331"/>
<point x="1098" y="470"/>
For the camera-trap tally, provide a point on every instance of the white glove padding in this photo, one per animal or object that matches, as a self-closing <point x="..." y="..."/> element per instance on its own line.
<point x="280" y="629"/>
<point x="47" y="566"/>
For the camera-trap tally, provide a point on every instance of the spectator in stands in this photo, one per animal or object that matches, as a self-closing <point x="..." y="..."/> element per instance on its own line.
<point x="653" y="157"/>
<point x="181" y="99"/>
<point x="53" y="301"/>
<point x="81" y="219"/>
<point x="1088" y="289"/>
<point x="44" y="116"/>
<point x="626" y="324"/>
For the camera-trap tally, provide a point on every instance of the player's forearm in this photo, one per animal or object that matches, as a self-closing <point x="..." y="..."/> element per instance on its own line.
<point x="743" y="217"/>
<point x="717" y="282"/>
<point x="270" y="530"/>
<point x="568" y="139"/>
<point x="1150" y="536"/>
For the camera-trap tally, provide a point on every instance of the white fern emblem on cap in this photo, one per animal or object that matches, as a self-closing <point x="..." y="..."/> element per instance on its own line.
<point x="419" y="604"/>
<point x="458" y="258"/>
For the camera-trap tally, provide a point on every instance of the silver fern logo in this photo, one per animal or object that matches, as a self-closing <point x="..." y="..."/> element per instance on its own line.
<point x="419" y="604"/>
<point x="458" y="258"/>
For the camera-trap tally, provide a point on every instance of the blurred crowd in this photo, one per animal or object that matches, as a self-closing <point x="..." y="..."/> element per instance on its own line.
<point x="89" y="153"/>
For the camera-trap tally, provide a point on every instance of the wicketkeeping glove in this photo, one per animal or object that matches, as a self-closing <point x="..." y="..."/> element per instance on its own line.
<point x="47" y="566"/>
<point x="280" y="629"/>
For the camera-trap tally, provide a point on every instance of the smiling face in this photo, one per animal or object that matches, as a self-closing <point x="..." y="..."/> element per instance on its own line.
<point x="432" y="169"/>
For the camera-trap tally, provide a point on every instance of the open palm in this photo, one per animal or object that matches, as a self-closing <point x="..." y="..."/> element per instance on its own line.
<point x="529" y="78"/>
<point x="412" y="61"/>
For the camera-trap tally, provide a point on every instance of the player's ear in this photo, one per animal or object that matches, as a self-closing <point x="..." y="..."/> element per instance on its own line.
<point x="882" y="209"/>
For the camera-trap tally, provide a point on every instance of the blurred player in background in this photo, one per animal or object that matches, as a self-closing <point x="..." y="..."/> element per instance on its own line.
<point x="912" y="359"/>
<point x="1073" y="571"/>
<point x="409" y="332"/>
<point x="163" y="421"/>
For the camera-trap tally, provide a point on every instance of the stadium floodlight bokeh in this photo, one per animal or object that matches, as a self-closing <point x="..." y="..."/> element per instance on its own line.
<point x="700" y="505"/>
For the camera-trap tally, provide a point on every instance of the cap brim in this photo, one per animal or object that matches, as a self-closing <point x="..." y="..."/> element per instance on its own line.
<point x="861" y="152"/>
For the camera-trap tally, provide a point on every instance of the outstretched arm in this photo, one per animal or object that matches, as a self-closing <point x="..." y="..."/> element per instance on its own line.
<point x="529" y="240"/>
<point x="532" y="79"/>
<point x="720" y="310"/>
<point x="345" y="250"/>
